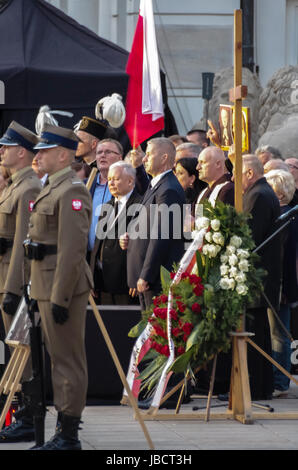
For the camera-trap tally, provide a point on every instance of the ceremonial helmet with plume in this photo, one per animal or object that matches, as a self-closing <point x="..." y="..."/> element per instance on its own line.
<point x="45" y="116"/>
<point x="111" y="109"/>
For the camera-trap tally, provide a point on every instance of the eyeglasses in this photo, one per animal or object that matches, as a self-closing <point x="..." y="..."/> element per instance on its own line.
<point x="107" y="152"/>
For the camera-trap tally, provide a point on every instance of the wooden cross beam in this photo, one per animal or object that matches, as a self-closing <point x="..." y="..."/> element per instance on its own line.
<point x="236" y="95"/>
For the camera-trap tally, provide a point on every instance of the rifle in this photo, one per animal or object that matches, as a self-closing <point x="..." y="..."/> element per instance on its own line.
<point x="35" y="387"/>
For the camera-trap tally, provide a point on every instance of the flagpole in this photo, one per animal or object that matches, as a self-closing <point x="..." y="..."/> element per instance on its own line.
<point x="134" y="132"/>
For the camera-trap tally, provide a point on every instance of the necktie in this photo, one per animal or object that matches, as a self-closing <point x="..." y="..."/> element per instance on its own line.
<point x="116" y="208"/>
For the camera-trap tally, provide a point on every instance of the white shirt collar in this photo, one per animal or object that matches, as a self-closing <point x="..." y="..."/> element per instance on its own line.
<point x="122" y="200"/>
<point x="157" y="178"/>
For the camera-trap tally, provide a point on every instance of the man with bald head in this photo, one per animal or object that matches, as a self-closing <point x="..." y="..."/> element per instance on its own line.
<point x="155" y="238"/>
<point x="212" y="169"/>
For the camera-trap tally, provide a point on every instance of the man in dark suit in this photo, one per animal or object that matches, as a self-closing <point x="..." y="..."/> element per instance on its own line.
<point x="261" y="202"/>
<point x="108" y="259"/>
<point x="155" y="237"/>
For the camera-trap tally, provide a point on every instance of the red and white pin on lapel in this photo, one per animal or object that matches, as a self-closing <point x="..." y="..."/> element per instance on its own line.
<point x="76" y="204"/>
<point x="31" y="205"/>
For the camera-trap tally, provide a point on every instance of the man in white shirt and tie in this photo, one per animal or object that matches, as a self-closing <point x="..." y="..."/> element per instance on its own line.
<point x="108" y="261"/>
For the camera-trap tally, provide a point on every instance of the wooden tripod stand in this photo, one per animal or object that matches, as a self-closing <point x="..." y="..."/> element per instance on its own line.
<point x="10" y="381"/>
<point x="240" y="405"/>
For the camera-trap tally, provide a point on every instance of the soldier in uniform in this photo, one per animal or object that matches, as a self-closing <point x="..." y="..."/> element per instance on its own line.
<point x="16" y="203"/>
<point x="90" y="131"/>
<point x="60" y="277"/>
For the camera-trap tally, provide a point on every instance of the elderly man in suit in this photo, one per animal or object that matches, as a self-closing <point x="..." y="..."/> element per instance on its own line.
<point x="16" y="204"/>
<point x="61" y="279"/>
<point x="107" y="257"/>
<point x="260" y="201"/>
<point x="155" y="237"/>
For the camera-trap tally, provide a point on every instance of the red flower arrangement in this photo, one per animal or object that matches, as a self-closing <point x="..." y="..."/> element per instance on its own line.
<point x="186" y="306"/>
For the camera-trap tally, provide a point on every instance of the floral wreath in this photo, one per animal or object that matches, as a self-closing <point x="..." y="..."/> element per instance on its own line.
<point x="208" y="301"/>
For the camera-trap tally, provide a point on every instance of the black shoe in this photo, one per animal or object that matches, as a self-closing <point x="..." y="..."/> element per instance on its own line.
<point x="20" y="431"/>
<point x="66" y="436"/>
<point x="57" y="442"/>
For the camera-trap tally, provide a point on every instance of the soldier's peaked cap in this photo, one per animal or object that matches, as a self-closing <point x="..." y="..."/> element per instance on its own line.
<point x="92" y="126"/>
<point x="56" y="136"/>
<point x="19" y="135"/>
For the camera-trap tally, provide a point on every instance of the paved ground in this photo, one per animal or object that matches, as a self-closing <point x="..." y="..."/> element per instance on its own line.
<point x="113" y="430"/>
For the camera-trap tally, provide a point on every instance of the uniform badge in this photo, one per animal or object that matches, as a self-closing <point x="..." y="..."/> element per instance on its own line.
<point x="31" y="205"/>
<point x="76" y="204"/>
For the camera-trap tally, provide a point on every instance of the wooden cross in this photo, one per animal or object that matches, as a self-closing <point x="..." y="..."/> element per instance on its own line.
<point x="236" y="95"/>
<point x="240" y="399"/>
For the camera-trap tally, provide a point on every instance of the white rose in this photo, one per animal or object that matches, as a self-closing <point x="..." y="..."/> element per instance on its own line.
<point x="218" y="238"/>
<point x="243" y="265"/>
<point x="205" y="250"/>
<point x="212" y="251"/>
<point x="233" y="260"/>
<point x="215" y="224"/>
<point x="231" y="283"/>
<point x="208" y="237"/>
<point x="224" y="259"/>
<point x="233" y="271"/>
<point x="224" y="283"/>
<point x="241" y="289"/>
<point x="202" y="222"/>
<point x="224" y="269"/>
<point x="242" y="253"/>
<point x="240" y="278"/>
<point x="235" y="241"/>
<point x="230" y="250"/>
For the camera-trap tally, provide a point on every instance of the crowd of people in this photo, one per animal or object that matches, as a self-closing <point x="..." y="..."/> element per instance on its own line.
<point x="75" y="223"/>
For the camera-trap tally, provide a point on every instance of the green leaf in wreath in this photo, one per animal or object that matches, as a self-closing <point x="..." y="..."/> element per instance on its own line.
<point x="137" y="329"/>
<point x="152" y="367"/>
<point x="165" y="278"/>
<point x="181" y="363"/>
<point x="193" y="337"/>
<point x="199" y="263"/>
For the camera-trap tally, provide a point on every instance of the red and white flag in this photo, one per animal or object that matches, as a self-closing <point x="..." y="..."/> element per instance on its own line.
<point x="144" y="104"/>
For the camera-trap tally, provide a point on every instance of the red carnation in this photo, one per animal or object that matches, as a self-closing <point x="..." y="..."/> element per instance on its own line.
<point x="160" y="312"/>
<point x="165" y="350"/>
<point x="163" y="298"/>
<point x="196" y="308"/>
<point x="181" y="306"/>
<point x="198" y="290"/>
<point x="187" y="328"/>
<point x="160" y="332"/>
<point x="194" y="279"/>
<point x="174" y="314"/>
<point x="184" y="275"/>
<point x="176" y="331"/>
<point x="172" y="275"/>
<point x="180" y="350"/>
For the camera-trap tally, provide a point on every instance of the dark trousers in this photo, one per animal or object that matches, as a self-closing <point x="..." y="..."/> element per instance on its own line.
<point x="146" y="299"/>
<point x="260" y="369"/>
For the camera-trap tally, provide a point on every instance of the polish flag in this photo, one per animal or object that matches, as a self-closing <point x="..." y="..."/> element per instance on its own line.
<point x="144" y="104"/>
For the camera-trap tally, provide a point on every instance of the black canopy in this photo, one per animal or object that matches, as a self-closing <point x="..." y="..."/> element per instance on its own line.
<point x="47" y="58"/>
